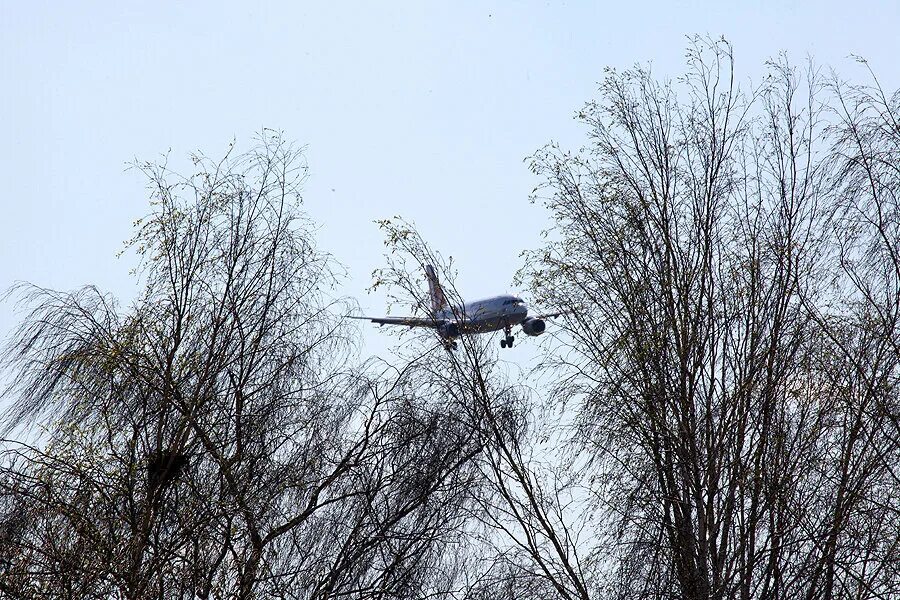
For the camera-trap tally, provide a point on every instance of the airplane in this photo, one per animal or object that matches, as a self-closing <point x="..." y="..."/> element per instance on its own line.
<point x="480" y="316"/>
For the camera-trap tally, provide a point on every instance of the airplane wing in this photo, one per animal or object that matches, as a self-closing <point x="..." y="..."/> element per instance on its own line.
<point x="551" y="315"/>
<point x="407" y="321"/>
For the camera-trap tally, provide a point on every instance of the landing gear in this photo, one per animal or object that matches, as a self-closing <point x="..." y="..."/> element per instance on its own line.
<point x="507" y="342"/>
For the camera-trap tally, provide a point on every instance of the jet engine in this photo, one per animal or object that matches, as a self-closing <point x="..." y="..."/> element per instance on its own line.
<point x="532" y="326"/>
<point x="448" y="330"/>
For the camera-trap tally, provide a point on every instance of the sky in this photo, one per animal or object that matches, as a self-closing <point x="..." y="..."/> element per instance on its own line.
<point x="424" y="110"/>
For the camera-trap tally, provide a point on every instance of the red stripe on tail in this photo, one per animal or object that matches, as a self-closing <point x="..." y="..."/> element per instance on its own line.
<point x="438" y="299"/>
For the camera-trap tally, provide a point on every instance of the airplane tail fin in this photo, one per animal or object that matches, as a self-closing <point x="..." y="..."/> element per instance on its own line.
<point x="438" y="299"/>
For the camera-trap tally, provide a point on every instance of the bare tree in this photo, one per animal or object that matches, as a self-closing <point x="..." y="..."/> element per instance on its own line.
<point x="525" y="518"/>
<point x="214" y="439"/>
<point x="866" y="234"/>
<point x="736" y="451"/>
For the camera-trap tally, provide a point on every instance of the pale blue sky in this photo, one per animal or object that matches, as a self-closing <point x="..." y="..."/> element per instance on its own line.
<point x="424" y="110"/>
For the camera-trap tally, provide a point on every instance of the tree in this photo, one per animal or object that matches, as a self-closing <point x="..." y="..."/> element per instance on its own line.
<point x="524" y="531"/>
<point x="737" y="445"/>
<point x="214" y="439"/>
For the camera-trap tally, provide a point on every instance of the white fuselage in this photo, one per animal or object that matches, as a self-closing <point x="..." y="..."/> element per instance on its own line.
<point x="490" y="314"/>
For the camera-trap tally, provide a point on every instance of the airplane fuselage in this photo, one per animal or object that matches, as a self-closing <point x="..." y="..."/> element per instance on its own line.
<point x="490" y="314"/>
